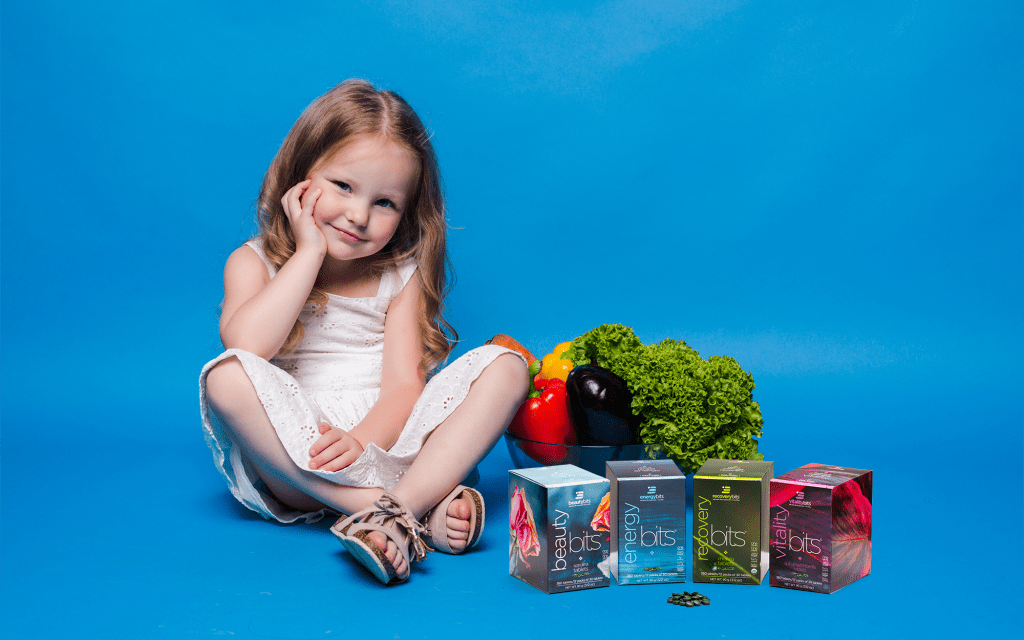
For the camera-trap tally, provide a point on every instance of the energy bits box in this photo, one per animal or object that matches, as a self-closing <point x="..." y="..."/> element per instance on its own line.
<point x="820" y="528"/>
<point x="730" y="521"/>
<point x="648" y="521"/>
<point x="558" y="528"/>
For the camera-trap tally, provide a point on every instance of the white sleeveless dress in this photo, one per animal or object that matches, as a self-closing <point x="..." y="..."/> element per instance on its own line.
<point x="334" y="376"/>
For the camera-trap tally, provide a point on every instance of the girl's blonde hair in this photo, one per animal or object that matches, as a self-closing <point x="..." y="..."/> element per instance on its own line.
<point x="353" y="108"/>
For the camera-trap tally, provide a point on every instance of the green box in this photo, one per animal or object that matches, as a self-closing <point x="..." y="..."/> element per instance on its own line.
<point x="730" y="521"/>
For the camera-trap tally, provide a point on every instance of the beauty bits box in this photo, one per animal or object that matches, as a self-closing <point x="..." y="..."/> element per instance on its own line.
<point x="820" y="528"/>
<point x="730" y="521"/>
<point x="558" y="528"/>
<point x="648" y="521"/>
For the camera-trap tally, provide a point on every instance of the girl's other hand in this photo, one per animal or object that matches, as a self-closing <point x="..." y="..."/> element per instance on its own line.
<point x="298" y="205"/>
<point x="334" y="450"/>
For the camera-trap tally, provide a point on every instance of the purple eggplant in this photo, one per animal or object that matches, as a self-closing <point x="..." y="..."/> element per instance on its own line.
<point x="600" y="406"/>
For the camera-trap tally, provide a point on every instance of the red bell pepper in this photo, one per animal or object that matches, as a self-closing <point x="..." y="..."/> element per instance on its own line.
<point x="544" y="417"/>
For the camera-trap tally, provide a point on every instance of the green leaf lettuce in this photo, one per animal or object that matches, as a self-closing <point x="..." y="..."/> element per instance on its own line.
<point x="692" y="409"/>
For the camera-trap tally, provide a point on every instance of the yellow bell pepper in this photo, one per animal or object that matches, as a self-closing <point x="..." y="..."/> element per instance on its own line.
<point x="553" y="366"/>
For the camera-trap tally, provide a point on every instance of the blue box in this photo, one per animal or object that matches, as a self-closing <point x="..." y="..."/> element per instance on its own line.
<point x="648" y="521"/>
<point x="558" y="528"/>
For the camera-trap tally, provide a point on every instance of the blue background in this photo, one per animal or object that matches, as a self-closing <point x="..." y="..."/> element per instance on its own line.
<point x="831" y="193"/>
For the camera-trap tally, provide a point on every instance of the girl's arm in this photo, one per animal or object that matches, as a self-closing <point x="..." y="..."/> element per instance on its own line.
<point x="259" y="311"/>
<point x="401" y="384"/>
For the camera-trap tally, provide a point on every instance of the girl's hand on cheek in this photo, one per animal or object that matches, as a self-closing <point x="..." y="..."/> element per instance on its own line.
<point x="334" y="450"/>
<point x="299" y="204"/>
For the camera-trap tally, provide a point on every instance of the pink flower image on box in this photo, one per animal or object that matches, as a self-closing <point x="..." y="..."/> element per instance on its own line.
<point x="523" y="530"/>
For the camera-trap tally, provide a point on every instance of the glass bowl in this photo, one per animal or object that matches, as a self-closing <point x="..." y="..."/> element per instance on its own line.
<point x="528" y="453"/>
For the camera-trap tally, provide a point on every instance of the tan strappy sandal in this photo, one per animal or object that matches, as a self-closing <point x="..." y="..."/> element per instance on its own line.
<point x="391" y="518"/>
<point x="436" y="520"/>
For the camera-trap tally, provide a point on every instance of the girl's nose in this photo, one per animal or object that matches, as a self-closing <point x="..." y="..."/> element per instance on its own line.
<point x="358" y="214"/>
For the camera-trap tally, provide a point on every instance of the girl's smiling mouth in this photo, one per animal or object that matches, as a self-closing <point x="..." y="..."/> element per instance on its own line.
<point x="346" y="235"/>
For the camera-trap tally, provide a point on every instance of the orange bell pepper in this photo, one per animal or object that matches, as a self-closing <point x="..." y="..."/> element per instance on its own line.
<point x="553" y="366"/>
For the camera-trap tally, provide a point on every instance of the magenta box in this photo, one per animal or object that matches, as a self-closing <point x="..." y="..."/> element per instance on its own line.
<point x="820" y="528"/>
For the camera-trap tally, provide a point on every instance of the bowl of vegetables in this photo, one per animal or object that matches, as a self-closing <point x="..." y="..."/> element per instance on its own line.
<point x="606" y="396"/>
<point x="574" y="415"/>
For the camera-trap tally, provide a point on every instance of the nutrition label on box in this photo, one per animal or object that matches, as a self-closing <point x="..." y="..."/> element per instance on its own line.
<point x="579" y="583"/>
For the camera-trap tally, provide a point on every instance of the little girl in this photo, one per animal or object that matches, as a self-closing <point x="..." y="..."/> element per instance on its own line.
<point x="332" y="321"/>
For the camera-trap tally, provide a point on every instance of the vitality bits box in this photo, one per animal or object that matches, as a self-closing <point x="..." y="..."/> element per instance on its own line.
<point x="820" y="528"/>
<point x="648" y="521"/>
<point x="558" y="528"/>
<point x="730" y="521"/>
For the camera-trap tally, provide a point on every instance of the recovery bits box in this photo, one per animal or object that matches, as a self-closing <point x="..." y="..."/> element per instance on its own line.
<point x="730" y="521"/>
<point x="648" y="521"/>
<point x="558" y="528"/>
<point x="820" y="528"/>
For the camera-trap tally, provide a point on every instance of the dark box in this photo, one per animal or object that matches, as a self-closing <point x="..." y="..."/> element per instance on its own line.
<point x="820" y="528"/>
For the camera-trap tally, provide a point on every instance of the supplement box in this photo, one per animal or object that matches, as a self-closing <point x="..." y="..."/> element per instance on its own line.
<point x="648" y="521"/>
<point x="820" y="528"/>
<point x="558" y="528"/>
<point x="730" y="521"/>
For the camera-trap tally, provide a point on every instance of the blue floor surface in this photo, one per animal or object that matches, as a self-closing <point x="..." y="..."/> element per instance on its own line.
<point x="138" y="538"/>
<point x="830" y="193"/>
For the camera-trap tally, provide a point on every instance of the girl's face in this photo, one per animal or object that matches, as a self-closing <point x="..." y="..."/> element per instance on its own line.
<point x="366" y="187"/>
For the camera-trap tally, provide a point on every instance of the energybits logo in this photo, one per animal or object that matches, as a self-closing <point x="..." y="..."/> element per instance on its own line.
<point x="652" y="494"/>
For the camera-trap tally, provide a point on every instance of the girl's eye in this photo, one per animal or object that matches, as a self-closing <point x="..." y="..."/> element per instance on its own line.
<point x="384" y="202"/>
<point x="342" y="185"/>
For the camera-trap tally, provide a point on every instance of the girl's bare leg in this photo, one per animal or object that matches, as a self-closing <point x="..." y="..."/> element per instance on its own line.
<point x="461" y="441"/>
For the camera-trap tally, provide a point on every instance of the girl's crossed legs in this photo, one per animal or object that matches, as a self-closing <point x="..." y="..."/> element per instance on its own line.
<point x="471" y="430"/>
